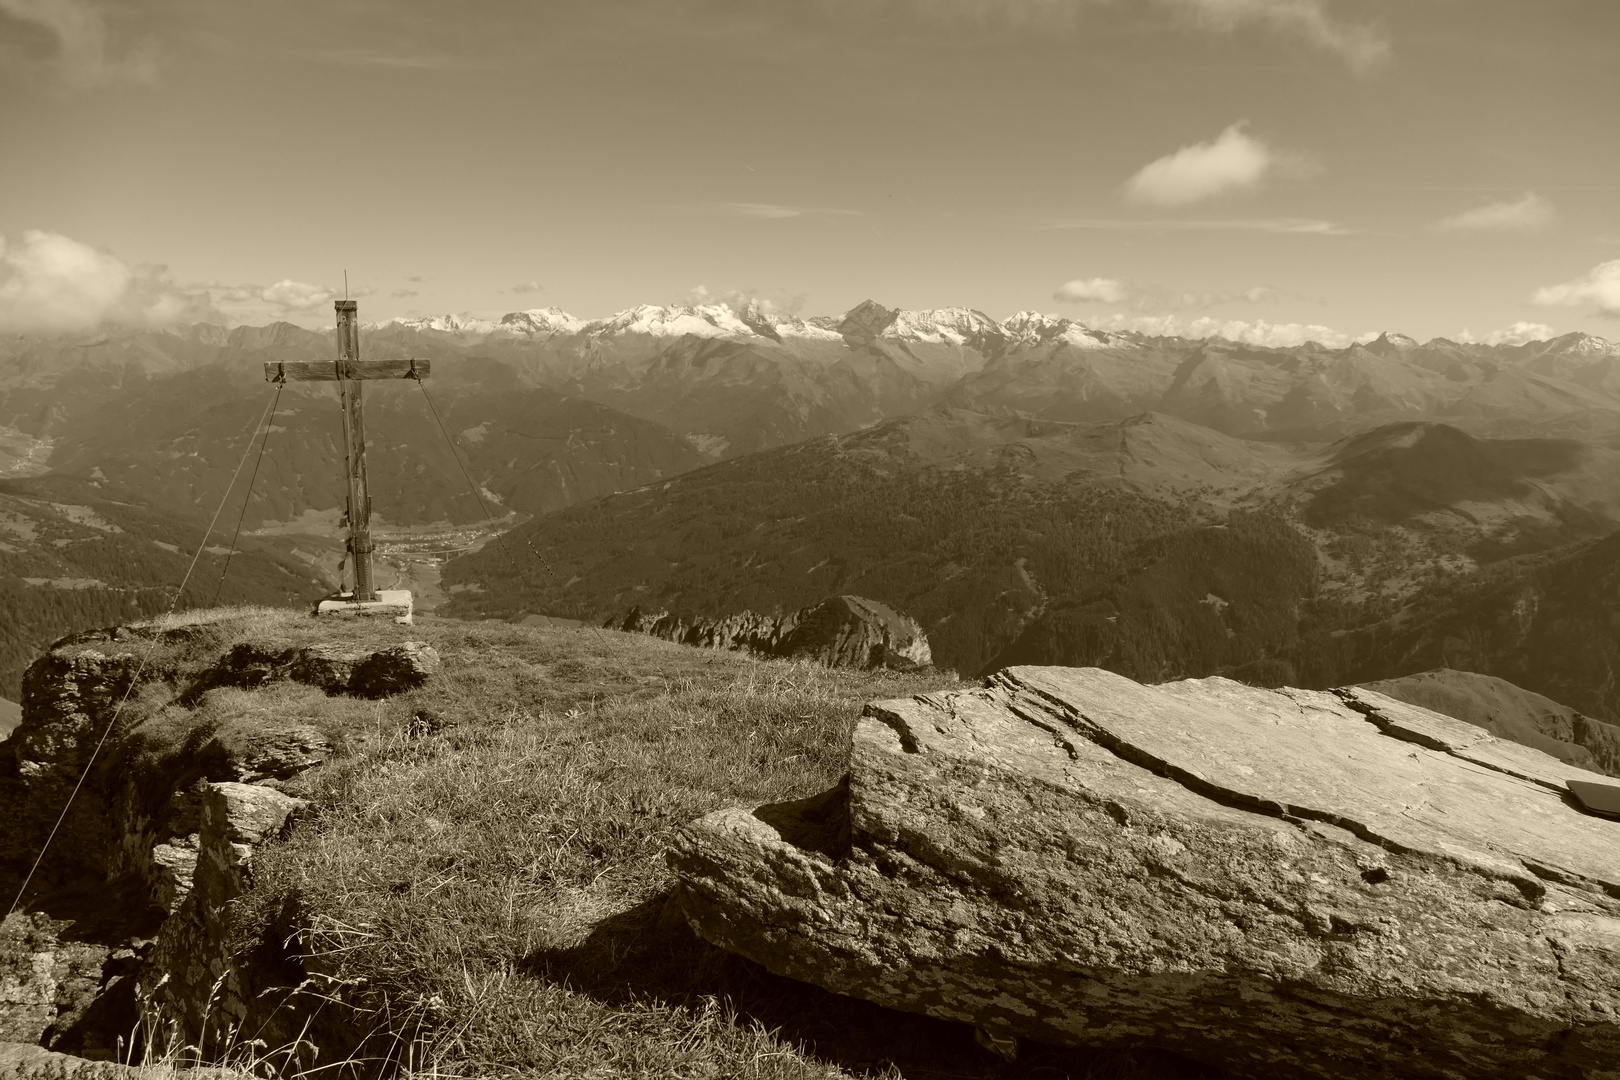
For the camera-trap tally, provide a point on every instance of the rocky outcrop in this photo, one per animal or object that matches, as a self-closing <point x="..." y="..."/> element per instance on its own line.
<point x="844" y="631"/>
<point x="192" y="979"/>
<point x="337" y="670"/>
<point x="64" y="983"/>
<point x="133" y="887"/>
<point x="1281" y="882"/>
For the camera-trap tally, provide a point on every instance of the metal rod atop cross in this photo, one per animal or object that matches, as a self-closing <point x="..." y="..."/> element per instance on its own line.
<point x="350" y="372"/>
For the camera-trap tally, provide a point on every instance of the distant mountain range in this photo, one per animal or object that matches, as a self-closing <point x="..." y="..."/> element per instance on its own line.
<point x="1030" y="488"/>
<point x="730" y="381"/>
<point x="742" y="380"/>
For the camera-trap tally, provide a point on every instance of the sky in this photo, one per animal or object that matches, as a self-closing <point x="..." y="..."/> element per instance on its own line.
<point x="1268" y="170"/>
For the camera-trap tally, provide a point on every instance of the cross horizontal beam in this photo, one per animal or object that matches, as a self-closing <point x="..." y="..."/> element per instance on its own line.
<point x="327" y="370"/>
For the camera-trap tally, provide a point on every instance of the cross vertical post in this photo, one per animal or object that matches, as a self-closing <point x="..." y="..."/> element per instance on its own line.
<point x="354" y="449"/>
<point x="349" y="371"/>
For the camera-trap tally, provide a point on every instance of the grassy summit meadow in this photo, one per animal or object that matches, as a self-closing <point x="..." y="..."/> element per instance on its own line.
<point x="481" y="867"/>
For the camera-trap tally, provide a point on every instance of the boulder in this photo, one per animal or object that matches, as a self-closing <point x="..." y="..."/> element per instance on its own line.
<point x="274" y="752"/>
<point x="844" y="631"/>
<point x="1282" y="883"/>
<point x="333" y="668"/>
<point x="46" y="979"/>
<point x="192" y="981"/>
<point x="852" y="631"/>
<point x="395" y="669"/>
<point x="67" y="966"/>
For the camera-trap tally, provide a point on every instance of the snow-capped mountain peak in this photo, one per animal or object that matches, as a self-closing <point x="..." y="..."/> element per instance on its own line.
<point x="550" y="320"/>
<point x="1034" y="328"/>
<point x="1579" y="344"/>
<point x="941" y="326"/>
<point x="445" y="324"/>
<point x="701" y="320"/>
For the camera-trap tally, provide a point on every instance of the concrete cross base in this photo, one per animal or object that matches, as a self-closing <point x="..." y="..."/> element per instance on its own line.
<point x="390" y="603"/>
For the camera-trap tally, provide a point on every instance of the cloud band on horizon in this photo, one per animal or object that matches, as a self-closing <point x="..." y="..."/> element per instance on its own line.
<point x="1599" y="287"/>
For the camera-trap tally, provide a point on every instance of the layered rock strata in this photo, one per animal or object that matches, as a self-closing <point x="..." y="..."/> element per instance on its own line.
<point x="844" y="631"/>
<point x="191" y="977"/>
<point x="1281" y="882"/>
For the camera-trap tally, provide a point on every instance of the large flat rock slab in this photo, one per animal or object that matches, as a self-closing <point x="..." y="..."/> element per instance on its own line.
<point x="1282" y="882"/>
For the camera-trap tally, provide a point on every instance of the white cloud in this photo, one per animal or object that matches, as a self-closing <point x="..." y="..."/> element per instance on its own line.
<point x="1361" y="46"/>
<point x="290" y="295"/>
<point x="743" y="301"/>
<point x="1527" y="214"/>
<point x="1517" y="334"/>
<point x="1302" y="226"/>
<point x="287" y="299"/>
<point x="1091" y="291"/>
<point x="50" y="282"/>
<point x="84" y="59"/>
<point x="1233" y="161"/>
<point x="1158" y="299"/>
<point x="1598" y="287"/>
<point x="1155" y="298"/>
<point x="402" y="293"/>
<point x="1248" y="332"/>
<point x="527" y="287"/>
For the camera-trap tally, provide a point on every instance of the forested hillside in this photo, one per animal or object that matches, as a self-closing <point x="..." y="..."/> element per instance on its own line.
<point x="1223" y="598"/>
<point x="72" y="558"/>
<point x="1150" y="546"/>
<point x="949" y="518"/>
<point x="972" y="555"/>
<point x="1545" y="622"/>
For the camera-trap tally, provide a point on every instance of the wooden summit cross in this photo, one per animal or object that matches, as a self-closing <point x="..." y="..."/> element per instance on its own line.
<point x="350" y="372"/>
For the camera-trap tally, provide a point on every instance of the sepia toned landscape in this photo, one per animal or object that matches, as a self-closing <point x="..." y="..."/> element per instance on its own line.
<point x="916" y="539"/>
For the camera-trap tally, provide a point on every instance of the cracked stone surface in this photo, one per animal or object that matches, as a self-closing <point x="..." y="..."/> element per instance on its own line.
<point x="24" y="1061"/>
<point x="1284" y="883"/>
